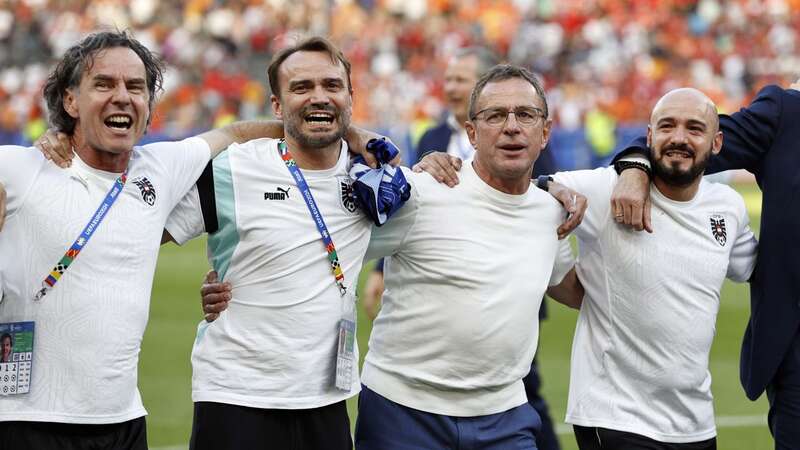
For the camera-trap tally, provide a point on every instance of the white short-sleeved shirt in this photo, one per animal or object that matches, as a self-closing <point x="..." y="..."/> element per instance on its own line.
<point x="89" y="327"/>
<point x="644" y="332"/>
<point x="468" y="268"/>
<point x="275" y="345"/>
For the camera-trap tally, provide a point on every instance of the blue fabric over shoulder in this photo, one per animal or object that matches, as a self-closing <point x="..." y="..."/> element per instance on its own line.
<point x="379" y="192"/>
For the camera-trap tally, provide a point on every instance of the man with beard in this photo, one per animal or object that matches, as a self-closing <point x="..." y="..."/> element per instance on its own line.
<point x="639" y="373"/>
<point x="762" y="138"/>
<point x="263" y="372"/>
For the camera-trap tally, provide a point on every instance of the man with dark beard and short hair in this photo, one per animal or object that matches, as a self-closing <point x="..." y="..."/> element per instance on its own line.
<point x="639" y="373"/>
<point x="263" y="372"/>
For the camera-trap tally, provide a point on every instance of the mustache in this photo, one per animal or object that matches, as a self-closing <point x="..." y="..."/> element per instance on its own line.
<point x="678" y="147"/>
<point x="319" y="107"/>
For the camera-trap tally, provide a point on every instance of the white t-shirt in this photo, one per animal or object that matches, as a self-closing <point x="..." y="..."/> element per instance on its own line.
<point x="459" y="323"/>
<point x="275" y="345"/>
<point x="644" y="332"/>
<point x="89" y="327"/>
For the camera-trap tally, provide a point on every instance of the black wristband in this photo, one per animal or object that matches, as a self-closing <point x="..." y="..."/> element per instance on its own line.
<point x="621" y="166"/>
<point x="542" y="180"/>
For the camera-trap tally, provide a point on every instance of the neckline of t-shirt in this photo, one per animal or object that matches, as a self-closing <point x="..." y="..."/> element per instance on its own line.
<point x="341" y="164"/>
<point x="469" y="175"/>
<point x="80" y="166"/>
<point x="680" y="204"/>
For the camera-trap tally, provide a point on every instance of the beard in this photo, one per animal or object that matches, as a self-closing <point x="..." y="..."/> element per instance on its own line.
<point x="294" y="123"/>
<point x="673" y="175"/>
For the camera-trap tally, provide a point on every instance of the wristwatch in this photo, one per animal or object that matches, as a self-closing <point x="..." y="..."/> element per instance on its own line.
<point x="620" y="166"/>
<point x="542" y="180"/>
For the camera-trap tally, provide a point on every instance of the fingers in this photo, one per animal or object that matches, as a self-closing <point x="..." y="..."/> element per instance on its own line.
<point x="215" y="296"/>
<point x="370" y="159"/>
<point x="647" y="219"/>
<point x="211" y="276"/>
<point x="2" y="206"/>
<point x="442" y="167"/>
<point x="576" y="211"/>
<point x="215" y="289"/>
<point x="56" y="147"/>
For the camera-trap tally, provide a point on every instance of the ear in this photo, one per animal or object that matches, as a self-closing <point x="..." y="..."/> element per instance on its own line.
<point x="649" y="136"/>
<point x="546" y="132"/>
<point x="716" y="146"/>
<point x="70" y="101"/>
<point x="276" y="106"/>
<point x="470" y="129"/>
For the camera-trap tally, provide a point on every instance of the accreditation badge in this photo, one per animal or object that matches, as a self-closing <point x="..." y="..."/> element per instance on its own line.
<point x="345" y="350"/>
<point x="16" y="357"/>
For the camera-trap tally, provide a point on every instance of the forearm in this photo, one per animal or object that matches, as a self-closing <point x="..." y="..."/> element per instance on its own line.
<point x="237" y="132"/>
<point x="569" y="292"/>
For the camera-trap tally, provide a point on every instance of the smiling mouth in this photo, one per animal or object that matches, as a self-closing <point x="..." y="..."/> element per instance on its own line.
<point x="319" y="118"/>
<point x="678" y="154"/>
<point x="118" y="122"/>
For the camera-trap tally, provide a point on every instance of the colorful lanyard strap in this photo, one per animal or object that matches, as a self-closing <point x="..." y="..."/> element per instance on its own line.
<point x="83" y="238"/>
<point x="291" y="164"/>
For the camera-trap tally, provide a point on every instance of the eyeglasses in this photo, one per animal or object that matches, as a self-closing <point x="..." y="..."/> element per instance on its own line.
<point x="525" y="115"/>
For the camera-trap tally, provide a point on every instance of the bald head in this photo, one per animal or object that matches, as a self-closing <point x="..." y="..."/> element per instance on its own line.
<point x="683" y="134"/>
<point x="688" y="103"/>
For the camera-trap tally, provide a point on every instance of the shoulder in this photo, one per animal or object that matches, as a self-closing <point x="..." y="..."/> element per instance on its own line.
<point x="724" y="196"/>
<point x="255" y="144"/>
<point x="17" y="163"/>
<point x="20" y="155"/>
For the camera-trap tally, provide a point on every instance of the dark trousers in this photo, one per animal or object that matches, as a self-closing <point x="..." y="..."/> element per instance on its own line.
<point x="546" y="436"/>
<point x="386" y="425"/>
<point x="784" y="400"/>
<point x="592" y="438"/>
<point x="130" y="435"/>
<point x="220" y="426"/>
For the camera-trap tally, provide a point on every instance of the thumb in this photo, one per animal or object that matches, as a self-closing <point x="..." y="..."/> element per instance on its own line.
<point x="212" y="277"/>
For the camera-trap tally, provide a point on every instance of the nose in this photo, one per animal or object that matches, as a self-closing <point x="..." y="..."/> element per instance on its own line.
<point x="680" y="136"/>
<point x="319" y="96"/>
<point x="121" y="95"/>
<point x="511" y="126"/>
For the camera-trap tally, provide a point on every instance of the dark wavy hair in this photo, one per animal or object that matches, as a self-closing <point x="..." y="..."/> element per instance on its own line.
<point x="79" y="59"/>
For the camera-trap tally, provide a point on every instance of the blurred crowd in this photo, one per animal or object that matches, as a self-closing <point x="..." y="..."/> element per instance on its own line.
<point x="604" y="62"/>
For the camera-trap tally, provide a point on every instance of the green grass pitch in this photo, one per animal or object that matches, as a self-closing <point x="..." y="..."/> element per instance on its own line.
<point x="165" y="369"/>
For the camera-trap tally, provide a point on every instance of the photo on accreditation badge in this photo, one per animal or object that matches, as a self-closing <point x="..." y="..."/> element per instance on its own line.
<point x="16" y="357"/>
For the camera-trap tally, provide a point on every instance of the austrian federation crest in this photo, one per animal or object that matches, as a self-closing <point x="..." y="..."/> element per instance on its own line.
<point x="347" y="195"/>
<point x="718" y="229"/>
<point x="147" y="190"/>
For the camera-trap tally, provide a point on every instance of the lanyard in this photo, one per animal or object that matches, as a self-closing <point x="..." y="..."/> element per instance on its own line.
<point x="72" y="253"/>
<point x="291" y="164"/>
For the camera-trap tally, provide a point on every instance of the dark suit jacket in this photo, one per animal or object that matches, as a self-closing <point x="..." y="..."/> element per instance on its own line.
<point x="764" y="138"/>
<point x="438" y="138"/>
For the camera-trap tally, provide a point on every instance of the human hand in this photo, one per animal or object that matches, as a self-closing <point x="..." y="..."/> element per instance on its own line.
<point x="56" y="147"/>
<point x="443" y="167"/>
<point x="630" y="201"/>
<point x="357" y="139"/>
<point x="215" y="296"/>
<point x="373" y="290"/>
<point x="573" y="202"/>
